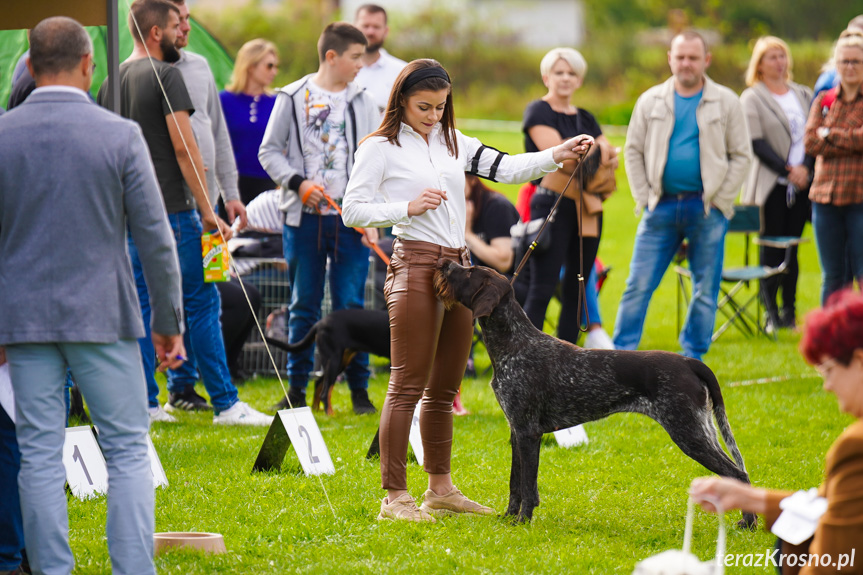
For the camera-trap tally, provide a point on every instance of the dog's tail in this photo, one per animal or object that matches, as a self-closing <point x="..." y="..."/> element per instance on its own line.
<point x="709" y="379"/>
<point x="295" y="347"/>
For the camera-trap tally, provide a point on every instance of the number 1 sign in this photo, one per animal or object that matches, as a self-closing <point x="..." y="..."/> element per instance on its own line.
<point x="86" y="471"/>
<point x="295" y="427"/>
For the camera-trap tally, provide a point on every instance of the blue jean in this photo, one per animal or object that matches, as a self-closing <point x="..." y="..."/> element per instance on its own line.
<point x="201" y="307"/>
<point x="659" y="235"/>
<point x="590" y="309"/>
<point x="838" y="229"/>
<point x="11" y="527"/>
<point x="307" y="248"/>
<point x="112" y="382"/>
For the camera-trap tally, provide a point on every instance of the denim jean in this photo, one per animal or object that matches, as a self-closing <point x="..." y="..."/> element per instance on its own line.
<point x="11" y="527"/>
<point x="307" y="248"/>
<point x="112" y="382"/>
<point x="201" y="307"/>
<point x="590" y="309"/>
<point x="838" y="229"/>
<point x="659" y="235"/>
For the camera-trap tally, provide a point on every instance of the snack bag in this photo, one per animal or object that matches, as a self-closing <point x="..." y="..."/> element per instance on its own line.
<point x="216" y="258"/>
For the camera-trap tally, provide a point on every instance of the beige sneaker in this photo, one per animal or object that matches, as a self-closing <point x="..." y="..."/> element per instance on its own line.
<point x="452" y="503"/>
<point x="404" y="508"/>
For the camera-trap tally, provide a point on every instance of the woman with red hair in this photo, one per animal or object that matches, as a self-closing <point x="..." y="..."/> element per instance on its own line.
<point x="833" y="343"/>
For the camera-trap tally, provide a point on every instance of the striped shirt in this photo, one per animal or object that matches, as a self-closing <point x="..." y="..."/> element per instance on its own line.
<point x="264" y="216"/>
<point x="839" y="163"/>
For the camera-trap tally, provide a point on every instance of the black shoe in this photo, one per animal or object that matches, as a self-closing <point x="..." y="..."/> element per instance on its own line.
<point x="297" y="397"/>
<point x="787" y="319"/>
<point x="187" y="400"/>
<point x="361" y="401"/>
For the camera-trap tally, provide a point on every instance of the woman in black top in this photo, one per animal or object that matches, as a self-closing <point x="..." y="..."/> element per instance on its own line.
<point x="548" y="122"/>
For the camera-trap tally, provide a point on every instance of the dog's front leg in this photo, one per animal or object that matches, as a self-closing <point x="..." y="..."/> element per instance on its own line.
<point x="529" y="448"/>
<point x="514" y="478"/>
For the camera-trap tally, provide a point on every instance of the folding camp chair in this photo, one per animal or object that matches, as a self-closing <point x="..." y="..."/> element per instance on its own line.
<point x="737" y="312"/>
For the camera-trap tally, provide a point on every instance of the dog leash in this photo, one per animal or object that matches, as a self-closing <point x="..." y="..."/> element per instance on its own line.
<point x="581" y="296"/>
<point x="362" y="232"/>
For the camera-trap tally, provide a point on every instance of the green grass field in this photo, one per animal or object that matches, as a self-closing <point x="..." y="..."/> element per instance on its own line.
<point x="605" y="506"/>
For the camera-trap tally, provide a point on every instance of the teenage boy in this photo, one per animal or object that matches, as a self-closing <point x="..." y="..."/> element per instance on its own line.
<point x="308" y="149"/>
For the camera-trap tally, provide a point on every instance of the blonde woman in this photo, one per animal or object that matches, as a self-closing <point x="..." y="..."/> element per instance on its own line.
<point x="834" y="134"/>
<point x="548" y="122"/>
<point x="776" y="109"/>
<point x="247" y="102"/>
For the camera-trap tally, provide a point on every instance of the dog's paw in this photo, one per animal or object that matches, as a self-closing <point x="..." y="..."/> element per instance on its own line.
<point x="749" y="522"/>
<point x="521" y="519"/>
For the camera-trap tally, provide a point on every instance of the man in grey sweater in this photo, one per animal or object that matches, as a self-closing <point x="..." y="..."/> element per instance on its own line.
<point x="214" y="143"/>
<point x="67" y="295"/>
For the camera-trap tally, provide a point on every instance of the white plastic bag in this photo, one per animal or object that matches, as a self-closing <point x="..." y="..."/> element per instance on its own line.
<point x="683" y="562"/>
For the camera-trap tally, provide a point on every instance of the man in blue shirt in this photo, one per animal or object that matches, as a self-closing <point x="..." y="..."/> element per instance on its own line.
<point x="687" y="152"/>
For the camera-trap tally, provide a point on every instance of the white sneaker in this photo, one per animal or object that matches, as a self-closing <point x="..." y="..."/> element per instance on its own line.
<point x="598" y="339"/>
<point x="159" y="414"/>
<point x="241" y="413"/>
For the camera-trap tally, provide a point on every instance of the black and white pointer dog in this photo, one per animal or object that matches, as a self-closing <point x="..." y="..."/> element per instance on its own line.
<point x="544" y="384"/>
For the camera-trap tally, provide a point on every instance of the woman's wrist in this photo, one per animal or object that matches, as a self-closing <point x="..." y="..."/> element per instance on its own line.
<point x="754" y="500"/>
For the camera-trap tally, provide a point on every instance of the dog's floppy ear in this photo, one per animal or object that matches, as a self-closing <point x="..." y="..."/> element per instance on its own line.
<point x="488" y="296"/>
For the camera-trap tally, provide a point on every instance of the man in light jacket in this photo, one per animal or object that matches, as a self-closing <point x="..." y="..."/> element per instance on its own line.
<point x="308" y="149"/>
<point x="687" y="153"/>
<point x="67" y="295"/>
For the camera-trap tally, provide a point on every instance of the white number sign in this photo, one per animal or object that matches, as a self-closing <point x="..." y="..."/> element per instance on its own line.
<point x="159" y="477"/>
<point x="571" y="436"/>
<point x="415" y="438"/>
<point x="86" y="472"/>
<point x="307" y="440"/>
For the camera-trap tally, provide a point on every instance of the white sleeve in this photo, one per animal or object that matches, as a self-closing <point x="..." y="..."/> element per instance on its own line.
<point x="497" y="166"/>
<point x="359" y="207"/>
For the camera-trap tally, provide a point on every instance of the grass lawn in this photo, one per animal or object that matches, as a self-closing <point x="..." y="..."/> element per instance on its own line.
<point x="605" y="506"/>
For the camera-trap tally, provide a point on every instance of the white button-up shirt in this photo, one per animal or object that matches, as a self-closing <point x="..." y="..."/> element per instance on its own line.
<point x="378" y="78"/>
<point x="397" y="175"/>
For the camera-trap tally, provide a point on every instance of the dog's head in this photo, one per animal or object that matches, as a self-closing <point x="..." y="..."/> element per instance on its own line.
<point x="478" y="288"/>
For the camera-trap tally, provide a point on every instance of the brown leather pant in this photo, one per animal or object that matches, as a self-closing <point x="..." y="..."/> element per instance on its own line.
<point x="430" y="347"/>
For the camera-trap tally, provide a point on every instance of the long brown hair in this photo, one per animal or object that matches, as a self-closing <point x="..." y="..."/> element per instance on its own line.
<point x="394" y="116"/>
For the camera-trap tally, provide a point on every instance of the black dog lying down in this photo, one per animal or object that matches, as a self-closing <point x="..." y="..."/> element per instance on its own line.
<point x="544" y="384"/>
<point x="338" y="337"/>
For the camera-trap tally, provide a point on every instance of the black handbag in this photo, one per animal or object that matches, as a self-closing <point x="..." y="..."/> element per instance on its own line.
<point x="524" y="233"/>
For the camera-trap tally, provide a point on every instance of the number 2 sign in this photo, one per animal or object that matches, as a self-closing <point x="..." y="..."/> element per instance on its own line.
<point x="295" y="427"/>
<point x="86" y="471"/>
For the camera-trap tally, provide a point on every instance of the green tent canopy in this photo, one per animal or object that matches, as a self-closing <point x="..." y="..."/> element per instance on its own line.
<point x="13" y="43"/>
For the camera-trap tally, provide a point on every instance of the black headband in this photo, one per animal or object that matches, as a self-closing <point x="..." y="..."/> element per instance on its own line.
<point x="418" y="76"/>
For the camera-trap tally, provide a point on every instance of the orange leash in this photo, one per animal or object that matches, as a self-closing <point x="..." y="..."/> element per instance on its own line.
<point x="374" y="245"/>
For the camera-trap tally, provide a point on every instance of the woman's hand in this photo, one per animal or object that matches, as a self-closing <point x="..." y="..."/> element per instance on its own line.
<point x="429" y="199"/>
<point x="799" y="176"/>
<point x="370" y="237"/>
<point x="728" y="493"/>
<point x="573" y="149"/>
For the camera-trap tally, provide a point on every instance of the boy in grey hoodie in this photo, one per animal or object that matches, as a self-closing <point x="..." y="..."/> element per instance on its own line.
<point x="308" y="149"/>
